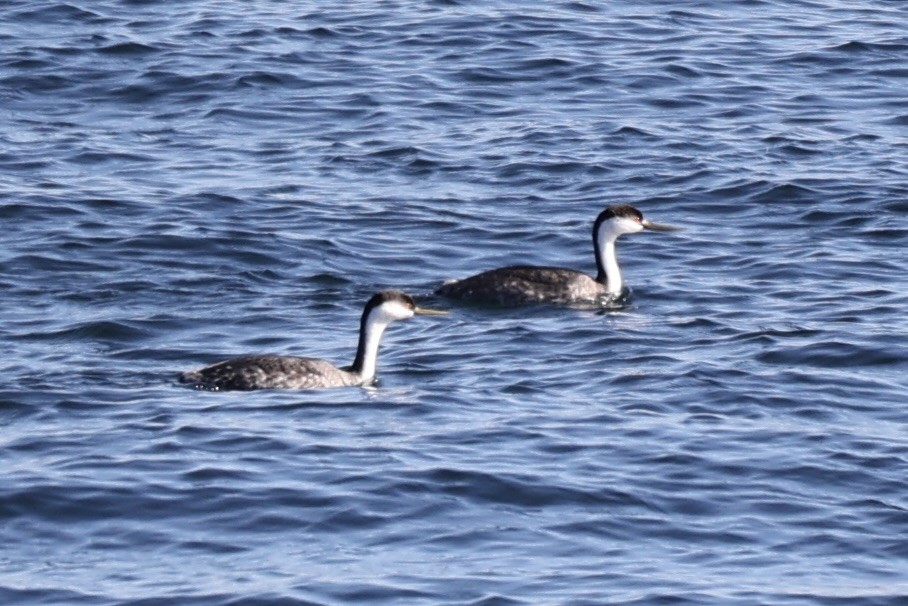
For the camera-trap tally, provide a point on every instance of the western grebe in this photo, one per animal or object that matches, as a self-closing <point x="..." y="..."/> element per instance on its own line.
<point x="522" y="284"/>
<point x="292" y="372"/>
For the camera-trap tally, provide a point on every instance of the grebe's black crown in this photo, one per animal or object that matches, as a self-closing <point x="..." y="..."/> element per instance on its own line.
<point x="617" y="210"/>
<point x="620" y="210"/>
<point x="386" y="296"/>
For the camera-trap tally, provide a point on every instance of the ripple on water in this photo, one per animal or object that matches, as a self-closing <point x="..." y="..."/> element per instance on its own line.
<point x="180" y="185"/>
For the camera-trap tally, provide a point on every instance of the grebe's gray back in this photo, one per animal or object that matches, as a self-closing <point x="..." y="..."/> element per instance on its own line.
<point x="292" y="372"/>
<point x="523" y="284"/>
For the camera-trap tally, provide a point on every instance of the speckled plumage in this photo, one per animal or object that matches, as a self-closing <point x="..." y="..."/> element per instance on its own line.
<point x="271" y="372"/>
<point x="524" y="284"/>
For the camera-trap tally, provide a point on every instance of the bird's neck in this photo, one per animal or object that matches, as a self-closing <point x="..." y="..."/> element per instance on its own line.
<point x="608" y="272"/>
<point x="366" y="361"/>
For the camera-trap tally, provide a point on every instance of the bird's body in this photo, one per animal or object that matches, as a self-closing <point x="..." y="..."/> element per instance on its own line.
<point x="294" y="372"/>
<point x="522" y="284"/>
<point x="526" y="284"/>
<point x="272" y="372"/>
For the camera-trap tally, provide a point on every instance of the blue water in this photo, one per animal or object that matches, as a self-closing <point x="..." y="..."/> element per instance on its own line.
<point x="186" y="181"/>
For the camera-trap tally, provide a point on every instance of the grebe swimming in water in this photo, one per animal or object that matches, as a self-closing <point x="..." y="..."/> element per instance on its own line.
<point x="523" y="284"/>
<point x="292" y="372"/>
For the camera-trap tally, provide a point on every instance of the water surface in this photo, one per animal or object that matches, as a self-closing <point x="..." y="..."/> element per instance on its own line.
<point x="181" y="183"/>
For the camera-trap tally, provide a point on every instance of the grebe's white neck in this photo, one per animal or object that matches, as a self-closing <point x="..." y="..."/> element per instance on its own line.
<point x="608" y="261"/>
<point x="372" y="327"/>
<point x="370" y="342"/>
<point x="607" y="232"/>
